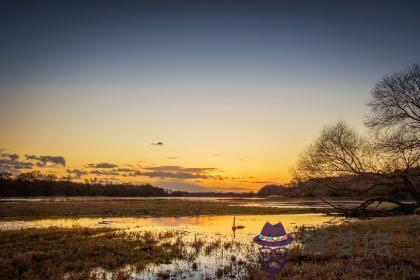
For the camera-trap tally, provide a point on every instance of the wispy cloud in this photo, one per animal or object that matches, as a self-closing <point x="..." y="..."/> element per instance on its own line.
<point x="11" y="163"/>
<point x="178" y="172"/>
<point x="162" y="172"/>
<point x="125" y="169"/>
<point x="102" y="165"/>
<point x="76" y="173"/>
<point x="174" y="175"/>
<point x="12" y="157"/>
<point x="157" y="143"/>
<point x="104" y="172"/>
<point x="175" y="168"/>
<point x="43" y="161"/>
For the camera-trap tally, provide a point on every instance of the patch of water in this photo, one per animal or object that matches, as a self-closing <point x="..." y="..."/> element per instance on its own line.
<point x="227" y="253"/>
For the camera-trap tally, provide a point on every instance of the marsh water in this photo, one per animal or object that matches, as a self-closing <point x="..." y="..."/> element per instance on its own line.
<point x="223" y="249"/>
<point x="206" y="226"/>
<point x="221" y="243"/>
<point x="238" y="201"/>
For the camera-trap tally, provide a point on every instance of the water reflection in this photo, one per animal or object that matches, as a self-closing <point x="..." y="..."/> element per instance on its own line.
<point x="246" y="226"/>
<point x="227" y="240"/>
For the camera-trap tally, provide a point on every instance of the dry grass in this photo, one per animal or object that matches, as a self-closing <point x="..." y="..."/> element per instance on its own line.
<point x="52" y="253"/>
<point x="401" y="262"/>
<point x="130" y="208"/>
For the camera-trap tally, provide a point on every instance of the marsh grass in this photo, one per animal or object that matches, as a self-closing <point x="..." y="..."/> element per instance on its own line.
<point x="29" y="210"/>
<point x="80" y="253"/>
<point x="52" y="253"/>
<point x="197" y="243"/>
<point x="227" y="245"/>
<point x="211" y="246"/>
<point x="402" y="261"/>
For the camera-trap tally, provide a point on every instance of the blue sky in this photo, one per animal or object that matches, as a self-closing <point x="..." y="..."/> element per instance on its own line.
<point x="98" y="81"/>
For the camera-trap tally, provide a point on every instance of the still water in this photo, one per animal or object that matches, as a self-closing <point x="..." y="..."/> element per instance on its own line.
<point x="208" y="226"/>
<point x="211" y="229"/>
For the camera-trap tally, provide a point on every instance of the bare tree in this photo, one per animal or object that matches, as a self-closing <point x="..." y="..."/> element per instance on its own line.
<point x="387" y="160"/>
<point x="338" y="151"/>
<point x="395" y="119"/>
<point x="395" y="103"/>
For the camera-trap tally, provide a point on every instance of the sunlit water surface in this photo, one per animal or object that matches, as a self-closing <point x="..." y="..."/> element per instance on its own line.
<point x="207" y="228"/>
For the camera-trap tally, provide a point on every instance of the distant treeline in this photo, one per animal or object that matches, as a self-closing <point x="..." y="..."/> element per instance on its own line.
<point x="210" y="194"/>
<point x="37" y="184"/>
<point x="341" y="187"/>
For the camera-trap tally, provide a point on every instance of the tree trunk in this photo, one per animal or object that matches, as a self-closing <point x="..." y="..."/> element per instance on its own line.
<point x="362" y="211"/>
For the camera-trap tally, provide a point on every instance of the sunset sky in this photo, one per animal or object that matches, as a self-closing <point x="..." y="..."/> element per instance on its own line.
<point x="189" y="95"/>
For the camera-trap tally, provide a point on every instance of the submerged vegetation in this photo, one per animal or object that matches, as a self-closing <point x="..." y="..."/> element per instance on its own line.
<point x="81" y="253"/>
<point x="55" y="253"/>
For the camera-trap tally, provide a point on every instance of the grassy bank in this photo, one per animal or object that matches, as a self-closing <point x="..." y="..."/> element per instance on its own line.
<point x="347" y="255"/>
<point x="131" y="208"/>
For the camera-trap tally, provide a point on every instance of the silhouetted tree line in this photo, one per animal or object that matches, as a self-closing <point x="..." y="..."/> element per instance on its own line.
<point x="210" y="194"/>
<point x="38" y="184"/>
